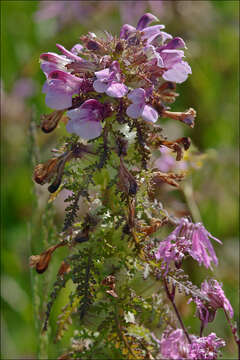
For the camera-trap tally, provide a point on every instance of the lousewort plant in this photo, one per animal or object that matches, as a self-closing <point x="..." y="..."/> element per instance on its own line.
<point x="111" y="92"/>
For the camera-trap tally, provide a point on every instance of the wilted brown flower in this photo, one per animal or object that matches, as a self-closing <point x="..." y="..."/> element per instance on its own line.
<point x="127" y="182"/>
<point x="64" y="269"/>
<point x="50" y="121"/>
<point x="44" y="172"/>
<point x="41" y="262"/>
<point x="110" y="282"/>
<point x="187" y="117"/>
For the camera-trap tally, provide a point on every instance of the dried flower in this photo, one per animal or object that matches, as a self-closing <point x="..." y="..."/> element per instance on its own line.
<point x="41" y="262"/>
<point x="44" y="172"/>
<point x="50" y="121"/>
<point x="127" y="182"/>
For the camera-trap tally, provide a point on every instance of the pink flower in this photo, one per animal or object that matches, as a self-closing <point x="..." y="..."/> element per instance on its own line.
<point x="139" y="108"/>
<point x="217" y="299"/>
<point x="216" y="296"/>
<point x="59" y="89"/>
<point x="206" y="347"/>
<point x="177" y="70"/>
<point x="109" y="81"/>
<point x="148" y="33"/>
<point x="166" y="161"/>
<point x="188" y="238"/>
<point x="85" y="121"/>
<point x="173" y="248"/>
<point x="174" y="345"/>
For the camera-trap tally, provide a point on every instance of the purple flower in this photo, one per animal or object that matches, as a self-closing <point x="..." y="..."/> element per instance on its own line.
<point x="217" y="299"/>
<point x="205" y="348"/>
<point x="109" y="81"/>
<point x="153" y="55"/>
<point x="139" y="107"/>
<point x="149" y="33"/>
<point x="216" y="296"/>
<point x="174" y="345"/>
<point x="173" y="248"/>
<point x="187" y="238"/>
<point x="85" y="121"/>
<point x="166" y="161"/>
<point x="51" y="61"/>
<point x="177" y="70"/>
<point x="59" y="88"/>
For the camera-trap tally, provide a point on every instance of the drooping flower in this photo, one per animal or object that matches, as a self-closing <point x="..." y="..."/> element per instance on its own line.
<point x="216" y="300"/>
<point x="188" y="238"/>
<point x="139" y="107"/>
<point x="85" y="121"/>
<point x="206" y="348"/>
<point x="109" y="80"/>
<point x="216" y="296"/>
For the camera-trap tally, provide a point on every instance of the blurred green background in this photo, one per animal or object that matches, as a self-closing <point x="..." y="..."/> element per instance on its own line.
<point x="28" y="28"/>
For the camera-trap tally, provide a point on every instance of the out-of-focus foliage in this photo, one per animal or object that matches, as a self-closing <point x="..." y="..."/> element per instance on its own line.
<point x="210" y="31"/>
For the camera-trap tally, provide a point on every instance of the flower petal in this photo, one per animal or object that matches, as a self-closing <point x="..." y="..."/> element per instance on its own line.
<point x="126" y="30"/>
<point x="85" y="129"/>
<point x="100" y="86"/>
<point x="145" y="20"/>
<point x="117" y="90"/>
<point x="149" y="114"/>
<point x="137" y="96"/>
<point x="58" y="100"/>
<point x="103" y="74"/>
<point x="178" y="73"/>
<point x="134" y="110"/>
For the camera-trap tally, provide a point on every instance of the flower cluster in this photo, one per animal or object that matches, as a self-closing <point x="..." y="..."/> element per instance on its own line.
<point x="174" y="345"/>
<point x="187" y="238"/>
<point x="132" y="67"/>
